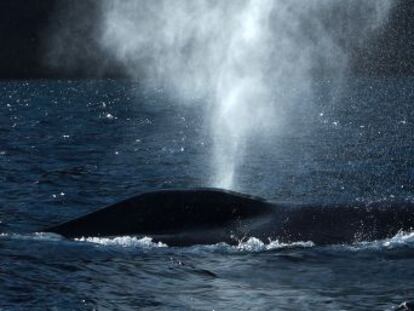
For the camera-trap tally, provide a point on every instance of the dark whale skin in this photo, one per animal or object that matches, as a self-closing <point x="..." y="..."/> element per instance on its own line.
<point x="209" y="216"/>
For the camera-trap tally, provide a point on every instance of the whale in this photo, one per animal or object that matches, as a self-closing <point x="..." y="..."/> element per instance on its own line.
<point x="186" y="217"/>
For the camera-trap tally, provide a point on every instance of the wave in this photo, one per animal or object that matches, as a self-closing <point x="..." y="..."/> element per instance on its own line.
<point x="256" y="245"/>
<point x="401" y="239"/>
<point x="252" y="244"/>
<point x="124" y="241"/>
<point x="36" y="236"/>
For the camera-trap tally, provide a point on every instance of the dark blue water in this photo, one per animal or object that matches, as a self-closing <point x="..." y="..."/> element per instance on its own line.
<point x="67" y="148"/>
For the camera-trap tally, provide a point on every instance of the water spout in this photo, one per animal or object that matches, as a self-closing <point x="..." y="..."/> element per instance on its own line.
<point x="253" y="60"/>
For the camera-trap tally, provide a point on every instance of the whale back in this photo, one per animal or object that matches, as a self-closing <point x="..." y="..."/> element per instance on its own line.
<point x="209" y="216"/>
<point x="347" y="223"/>
<point x="166" y="211"/>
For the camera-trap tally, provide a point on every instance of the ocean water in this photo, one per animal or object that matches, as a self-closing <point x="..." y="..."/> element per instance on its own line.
<point x="70" y="147"/>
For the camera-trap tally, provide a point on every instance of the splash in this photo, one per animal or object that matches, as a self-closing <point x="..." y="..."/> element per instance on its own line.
<point x="124" y="241"/>
<point x="251" y="244"/>
<point x="251" y="61"/>
<point x="256" y="245"/>
<point x="400" y="240"/>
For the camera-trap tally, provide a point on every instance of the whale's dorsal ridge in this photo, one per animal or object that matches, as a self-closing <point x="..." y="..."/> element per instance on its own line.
<point x="181" y="217"/>
<point x="198" y="190"/>
<point x="167" y="211"/>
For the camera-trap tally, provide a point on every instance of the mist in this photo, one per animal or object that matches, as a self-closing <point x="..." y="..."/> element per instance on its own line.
<point x="252" y="62"/>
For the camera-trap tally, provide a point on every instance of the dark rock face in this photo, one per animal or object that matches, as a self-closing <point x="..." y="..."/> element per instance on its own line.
<point x="30" y="28"/>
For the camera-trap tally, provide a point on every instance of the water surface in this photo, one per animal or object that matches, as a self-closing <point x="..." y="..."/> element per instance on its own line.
<point x="70" y="147"/>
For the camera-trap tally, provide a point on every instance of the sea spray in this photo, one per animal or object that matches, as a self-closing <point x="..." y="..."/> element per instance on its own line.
<point x="251" y="61"/>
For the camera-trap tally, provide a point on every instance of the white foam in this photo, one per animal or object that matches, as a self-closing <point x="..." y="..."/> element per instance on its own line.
<point x="401" y="239"/>
<point x="256" y="245"/>
<point x="124" y="241"/>
<point x="252" y="244"/>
